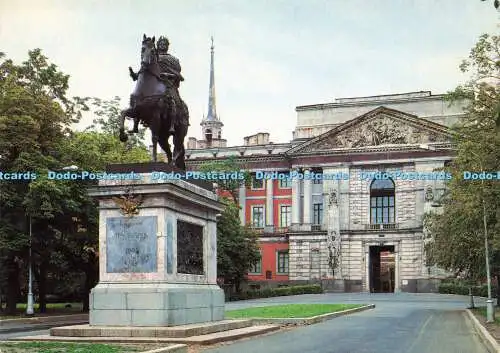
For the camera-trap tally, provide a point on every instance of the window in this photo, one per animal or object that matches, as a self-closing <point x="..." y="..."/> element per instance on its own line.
<point x="382" y="208"/>
<point x="318" y="213"/>
<point x="208" y="135"/>
<point x="257" y="183"/>
<point x="257" y="267"/>
<point x="282" y="262"/>
<point x="285" y="183"/>
<point x="258" y="216"/>
<point x="285" y="216"/>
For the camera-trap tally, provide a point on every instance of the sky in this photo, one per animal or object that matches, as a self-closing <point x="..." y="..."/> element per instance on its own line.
<point x="270" y="56"/>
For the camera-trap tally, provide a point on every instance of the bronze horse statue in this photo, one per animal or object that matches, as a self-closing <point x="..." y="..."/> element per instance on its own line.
<point x="149" y="105"/>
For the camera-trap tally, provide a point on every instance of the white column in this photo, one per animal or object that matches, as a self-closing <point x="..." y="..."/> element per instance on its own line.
<point x="269" y="203"/>
<point x="307" y="200"/>
<point x="295" y="201"/>
<point x="242" y="202"/>
<point x="397" y="281"/>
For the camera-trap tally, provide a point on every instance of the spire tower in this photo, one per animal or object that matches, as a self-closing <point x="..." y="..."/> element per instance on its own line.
<point x="212" y="111"/>
<point x="211" y="125"/>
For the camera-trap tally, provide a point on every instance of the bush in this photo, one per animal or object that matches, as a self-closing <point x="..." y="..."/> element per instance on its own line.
<point x="462" y="288"/>
<point x="278" y="292"/>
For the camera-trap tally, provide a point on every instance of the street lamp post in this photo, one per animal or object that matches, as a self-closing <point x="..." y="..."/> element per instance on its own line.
<point x="29" y="307"/>
<point x="490" y="309"/>
<point x="30" y="310"/>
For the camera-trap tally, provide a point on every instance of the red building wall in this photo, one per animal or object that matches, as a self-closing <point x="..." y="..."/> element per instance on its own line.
<point x="284" y="198"/>
<point x="269" y="261"/>
<point x="269" y="249"/>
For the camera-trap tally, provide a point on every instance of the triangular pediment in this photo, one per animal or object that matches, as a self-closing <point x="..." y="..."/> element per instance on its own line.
<point x="381" y="126"/>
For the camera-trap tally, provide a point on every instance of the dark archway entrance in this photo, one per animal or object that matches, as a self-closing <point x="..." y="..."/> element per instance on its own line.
<point x="382" y="269"/>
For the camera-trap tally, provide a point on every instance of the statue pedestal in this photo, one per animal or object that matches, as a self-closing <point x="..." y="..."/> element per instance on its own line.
<point x="157" y="267"/>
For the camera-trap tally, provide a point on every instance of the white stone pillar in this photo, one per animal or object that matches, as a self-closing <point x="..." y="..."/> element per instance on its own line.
<point x="367" y="268"/>
<point x="269" y="204"/>
<point x="397" y="280"/>
<point x="242" y="202"/>
<point x="307" y="200"/>
<point x="295" y="201"/>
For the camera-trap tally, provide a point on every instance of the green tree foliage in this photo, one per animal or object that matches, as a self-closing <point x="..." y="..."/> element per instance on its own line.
<point x="35" y="116"/>
<point x="237" y="247"/>
<point x="228" y="165"/>
<point x="458" y="232"/>
<point x="107" y="119"/>
<point x="35" y="135"/>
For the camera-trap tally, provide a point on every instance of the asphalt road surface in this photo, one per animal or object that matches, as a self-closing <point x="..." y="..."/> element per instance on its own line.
<point x="400" y="323"/>
<point x="6" y="336"/>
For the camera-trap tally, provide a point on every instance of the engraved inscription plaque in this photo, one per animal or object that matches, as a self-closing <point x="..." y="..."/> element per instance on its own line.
<point x="131" y="244"/>
<point x="189" y="248"/>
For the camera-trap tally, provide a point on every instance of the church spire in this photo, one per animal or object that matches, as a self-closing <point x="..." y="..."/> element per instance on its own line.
<point x="212" y="112"/>
<point x="211" y="126"/>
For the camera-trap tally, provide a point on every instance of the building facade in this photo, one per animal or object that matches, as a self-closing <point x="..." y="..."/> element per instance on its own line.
<point x="364" y="171"/>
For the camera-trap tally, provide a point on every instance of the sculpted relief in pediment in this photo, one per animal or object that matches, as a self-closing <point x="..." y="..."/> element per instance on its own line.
<point x="381" y="130"/>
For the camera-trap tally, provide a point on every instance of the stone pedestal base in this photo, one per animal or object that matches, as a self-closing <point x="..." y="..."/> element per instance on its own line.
<point x="155" y="304"/>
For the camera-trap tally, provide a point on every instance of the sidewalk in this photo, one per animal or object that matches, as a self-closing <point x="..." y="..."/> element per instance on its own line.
<point x="41" y="323"/>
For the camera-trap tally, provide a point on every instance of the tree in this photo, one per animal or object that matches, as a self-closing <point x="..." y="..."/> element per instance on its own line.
<point x="237" y="247"/>
<point x="35" y="135"/>
<point x="35" y="115"/>
<point x="228" y="186"/>
<point x="107" y="119"/>
<point x="457" y="235"/>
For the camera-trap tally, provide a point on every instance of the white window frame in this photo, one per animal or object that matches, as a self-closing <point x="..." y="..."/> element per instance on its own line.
<point x="263" y="216"/>
<point x="289" y="218"/>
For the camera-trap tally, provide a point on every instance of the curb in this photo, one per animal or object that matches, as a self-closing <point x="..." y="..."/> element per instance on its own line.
<point x="312" y="320"/>
<point x="485" y="336"/>
<point x="178" y="348"/>
<point x="46" y="319"/>
<point x="195" y="340"/>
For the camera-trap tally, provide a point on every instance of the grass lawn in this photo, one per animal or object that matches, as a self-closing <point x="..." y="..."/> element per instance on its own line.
<point x="68" y="347"/>
<point x="494" y="327"/>
<point x="289" y="311"/>
<point x="52" y="309"/>
<point x="482" y="311"/>
<point x="61" y="347"/>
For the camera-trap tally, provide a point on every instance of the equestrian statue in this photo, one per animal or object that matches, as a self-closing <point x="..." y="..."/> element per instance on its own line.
<point x="155" y="101"/>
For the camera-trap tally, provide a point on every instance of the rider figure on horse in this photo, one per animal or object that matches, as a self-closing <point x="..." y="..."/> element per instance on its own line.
<point x="171" y="76"/>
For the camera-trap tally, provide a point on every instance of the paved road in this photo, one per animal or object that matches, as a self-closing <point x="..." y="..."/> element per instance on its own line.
<point x="14" y="327"/>
<point x="6" y="336"/>
<point x="400" y="323"/>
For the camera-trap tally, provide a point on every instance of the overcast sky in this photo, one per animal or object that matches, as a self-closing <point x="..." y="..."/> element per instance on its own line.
<point x="270" y="56"/>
